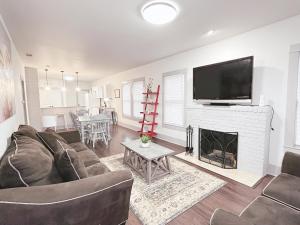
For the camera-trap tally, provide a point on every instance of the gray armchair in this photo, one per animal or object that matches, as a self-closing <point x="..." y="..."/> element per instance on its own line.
<point x="285" y="188"/>
<point x="291" y="164"/>
<point x="280" y="204"/>
<point x="262" y="210"/>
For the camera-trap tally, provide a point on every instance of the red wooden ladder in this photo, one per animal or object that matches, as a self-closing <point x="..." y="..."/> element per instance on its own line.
<point x="150" y="113"/>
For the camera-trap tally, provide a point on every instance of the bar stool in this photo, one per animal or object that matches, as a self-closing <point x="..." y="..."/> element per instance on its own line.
<point x="49" y="121"/>
<point x="62" y="117"/>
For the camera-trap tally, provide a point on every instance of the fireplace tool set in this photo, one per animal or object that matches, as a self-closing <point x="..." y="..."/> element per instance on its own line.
<point x="189" y="140"/>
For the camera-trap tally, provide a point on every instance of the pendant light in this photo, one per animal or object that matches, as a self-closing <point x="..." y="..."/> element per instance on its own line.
<point x="63" y="88"/>
<point x="47" y="84"/>
<point x="77" y="83"/>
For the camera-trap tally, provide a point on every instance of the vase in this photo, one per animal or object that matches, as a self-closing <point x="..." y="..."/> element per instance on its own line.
<point x="145" y="145"/>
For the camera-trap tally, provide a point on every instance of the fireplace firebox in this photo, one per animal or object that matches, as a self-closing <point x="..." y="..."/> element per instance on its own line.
<point x="218" y="148"/>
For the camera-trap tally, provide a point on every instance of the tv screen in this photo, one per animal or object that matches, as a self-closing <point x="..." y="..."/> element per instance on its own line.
<point x="224" y="82"/>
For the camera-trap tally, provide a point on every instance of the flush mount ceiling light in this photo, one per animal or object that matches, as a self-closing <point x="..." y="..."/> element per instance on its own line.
<point x="159" y="12"/>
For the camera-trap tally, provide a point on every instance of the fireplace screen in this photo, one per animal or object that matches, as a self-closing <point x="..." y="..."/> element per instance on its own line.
<point x="218" y="148"/>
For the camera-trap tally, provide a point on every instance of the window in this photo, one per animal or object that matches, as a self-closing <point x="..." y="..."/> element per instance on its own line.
<point x="132" y="93"/>
<point x="173" y="98"/>
<point x="137" y="98"/>
<point x="126" y="99"/>
<point x="292" y="120"/>
<point x="297" y="126"/>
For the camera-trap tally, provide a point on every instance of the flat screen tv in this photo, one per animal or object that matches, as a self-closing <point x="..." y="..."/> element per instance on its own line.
<point x="226" y="82"/>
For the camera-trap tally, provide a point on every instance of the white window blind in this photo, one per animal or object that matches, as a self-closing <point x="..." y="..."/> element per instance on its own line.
<point x="126" y="93"/>
<point x="137" y="97"/>
<point x="297" y="127"/>
<point x="173" y="100"/>
<point x="132" y="97"/>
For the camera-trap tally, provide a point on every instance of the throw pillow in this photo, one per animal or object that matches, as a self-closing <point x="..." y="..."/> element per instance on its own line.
<point x="26" y="130"/>
<point x="68" y="164"/>
<point x="26" y="163"/>
<point x="50" y="138"/>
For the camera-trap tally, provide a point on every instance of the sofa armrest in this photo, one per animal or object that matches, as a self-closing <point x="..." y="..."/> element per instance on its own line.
<point x="221" y="217"/>
<point x="291" y="164"/>
<point x="71" y="136"/>
<point x="102" y="199"/>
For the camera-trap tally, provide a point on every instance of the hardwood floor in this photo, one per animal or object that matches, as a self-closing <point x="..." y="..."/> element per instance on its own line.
<point x="233" y="197"/>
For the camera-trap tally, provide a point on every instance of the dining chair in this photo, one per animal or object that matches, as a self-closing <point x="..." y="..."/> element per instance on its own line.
<point x="75" y="121"/>
<point x="98" y="132"/>
<point x="86" y="128"/>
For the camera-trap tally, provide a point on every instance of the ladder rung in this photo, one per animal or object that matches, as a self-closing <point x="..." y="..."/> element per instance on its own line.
<point x="150" y="93"/>
<point x="149" y="114"/>
<point x="150" y="103"/>
<point x="149" y="133"/>
<point x="148" y="123"/>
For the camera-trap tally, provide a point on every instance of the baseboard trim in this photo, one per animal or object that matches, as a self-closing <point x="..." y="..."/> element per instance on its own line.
<point x="131" y="127"/>
<point x="159" y="135"/>
<point x="171" y="139"/>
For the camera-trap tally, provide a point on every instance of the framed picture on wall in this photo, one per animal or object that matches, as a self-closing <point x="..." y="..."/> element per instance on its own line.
<point x="117" y="93"/>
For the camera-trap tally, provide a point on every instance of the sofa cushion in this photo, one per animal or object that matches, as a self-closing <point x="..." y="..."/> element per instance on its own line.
<point x="97" y="169"/>
<point x="79" y="146"/>
<point x="286" y="189"/>
<point x="88" y="157"/>
<point x="68" y="163"/>
<point x="71" y="136"/>
<point x="269" y="212"/>
<point x="26" y="130"/>
<point x="49" y="138"/>
<point x="27" y="163"/>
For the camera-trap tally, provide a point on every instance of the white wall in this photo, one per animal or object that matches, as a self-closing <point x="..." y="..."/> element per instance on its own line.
<point x="270" y="47"/>
<point x="10" y="125"/>
<point x="32" y="98"/>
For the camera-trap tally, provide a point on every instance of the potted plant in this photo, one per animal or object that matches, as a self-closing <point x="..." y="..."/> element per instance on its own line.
<point x="145" y="139"/>
<point x="149" y="85"/>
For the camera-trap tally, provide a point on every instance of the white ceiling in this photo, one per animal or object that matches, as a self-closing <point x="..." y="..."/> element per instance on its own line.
<point x="103" y="37"/>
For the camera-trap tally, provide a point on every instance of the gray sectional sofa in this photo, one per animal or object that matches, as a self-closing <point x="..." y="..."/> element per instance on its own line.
<point x="278" y="205"/>
<point x="34" y="192"/>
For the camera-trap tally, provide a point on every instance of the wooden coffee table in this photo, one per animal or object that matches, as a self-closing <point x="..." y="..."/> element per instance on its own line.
<point x="151" y="163"/>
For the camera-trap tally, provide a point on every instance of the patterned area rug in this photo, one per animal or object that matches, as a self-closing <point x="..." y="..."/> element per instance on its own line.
<point x="167" y="197"/>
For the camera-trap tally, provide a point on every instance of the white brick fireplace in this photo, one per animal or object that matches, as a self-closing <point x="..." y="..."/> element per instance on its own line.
<point x="252" y="124"/>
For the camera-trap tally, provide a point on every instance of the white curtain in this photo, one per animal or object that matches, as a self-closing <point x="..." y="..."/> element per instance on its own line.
<point x="173" y="100"/>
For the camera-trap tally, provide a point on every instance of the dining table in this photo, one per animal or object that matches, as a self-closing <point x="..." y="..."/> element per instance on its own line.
<point x="87" y="120"/>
